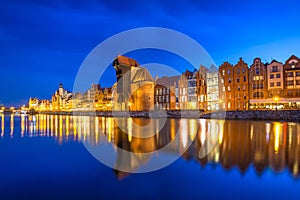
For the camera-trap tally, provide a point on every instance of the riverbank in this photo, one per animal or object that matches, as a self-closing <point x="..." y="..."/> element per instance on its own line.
<point x="284" y="115"/>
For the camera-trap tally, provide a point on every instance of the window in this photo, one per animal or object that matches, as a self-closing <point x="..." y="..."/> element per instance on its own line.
<point x="275" y="69"/>
<point x="245" y="96"/>
<point x="223" y="88"/>
<point x="297" y="82"/>
<point x="258" y="78"/>
<point x="272" y="84"/>
<point x="228" y="105"/>
<point x="244" y="87"/>
<point x="238" y="96"/>
<point x="245" y="79"/>
<point x="239" y="88"/>
<point x="277" y="75"/>
<point x="223" y="72"/>
<point x="238" y="71"/>
<point x="257" y="71"/>
<point x="278" y="84"/>
<point x="228" y="88"/>
<point x="289" y="83"/>
<point x="289" y="74"/>
<point x="243" y="70"/>
<point x="297" y="73"/>
<point x="228" y="72"/>
<point x="222" y="81"/>
<point x="271" y="76"/>
<point x="229" y="80"/>
<point x="238" y="79"/>
<point x="257" y="95"/>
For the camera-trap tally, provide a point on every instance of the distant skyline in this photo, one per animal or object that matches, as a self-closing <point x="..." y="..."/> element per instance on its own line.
<point x="43" y="43"/>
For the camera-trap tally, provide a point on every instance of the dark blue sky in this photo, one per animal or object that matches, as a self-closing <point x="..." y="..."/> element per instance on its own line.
<point x="43" y="43"/>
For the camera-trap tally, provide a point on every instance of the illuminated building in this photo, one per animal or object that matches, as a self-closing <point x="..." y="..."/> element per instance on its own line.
<point x="134" y="87"/>
<point x="241" y="87"/>
<point x="202" y="87"/>
<point x="165" y="93"/>
<point x="226" y="85"/>
<point x="187" y="87"/>
<point x="275" y="79"/>
<point x="292" y="82"/>
<point x="33" y="103"/>
<point x="258" y="84"/>
<point x="212" y="78"/>
<point x="60" y="99"/>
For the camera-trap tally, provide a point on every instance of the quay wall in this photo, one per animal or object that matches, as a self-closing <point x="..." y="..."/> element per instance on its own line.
<point x="285" y="115"/>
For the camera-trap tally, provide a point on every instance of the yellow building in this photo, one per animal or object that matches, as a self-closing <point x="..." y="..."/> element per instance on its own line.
<point x="134" y="88"/>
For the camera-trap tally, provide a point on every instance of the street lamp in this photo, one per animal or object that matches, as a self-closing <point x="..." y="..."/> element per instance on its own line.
<point x="276" y="101"/>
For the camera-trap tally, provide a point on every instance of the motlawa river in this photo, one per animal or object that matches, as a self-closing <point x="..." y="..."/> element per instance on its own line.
<point x="88" y="157"/>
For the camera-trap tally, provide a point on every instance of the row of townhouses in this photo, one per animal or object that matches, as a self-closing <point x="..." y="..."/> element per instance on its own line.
<point x="273" y="85"/>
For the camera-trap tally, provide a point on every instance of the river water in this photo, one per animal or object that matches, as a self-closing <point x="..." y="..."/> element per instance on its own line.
<point x="63" y="157"/>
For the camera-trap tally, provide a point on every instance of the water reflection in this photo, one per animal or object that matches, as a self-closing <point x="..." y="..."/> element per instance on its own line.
<point x="232" y="144"/>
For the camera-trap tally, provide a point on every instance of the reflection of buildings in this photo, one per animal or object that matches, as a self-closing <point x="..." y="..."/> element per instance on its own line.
<point x="233" y="144"/>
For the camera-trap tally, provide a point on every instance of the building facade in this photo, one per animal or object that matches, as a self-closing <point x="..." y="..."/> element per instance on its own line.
<point x="202" y="87"/>
<point x="292" y="82"/>
<point x="187" y="87"/>
<point x="212" y="80"/>
<point x="226" y="87"/>
<point x="275" y="79"/>
<point x="258" y="84"/>
<point x="135" y="86"/>
<point x="61" y="99"/>
<point x="241" y="85"/>
<point x="165" y="93"/>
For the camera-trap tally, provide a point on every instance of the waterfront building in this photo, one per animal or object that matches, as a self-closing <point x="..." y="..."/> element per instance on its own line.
<point x="202" y="87"/>
<point x="292" y="82"/>
<point x="89" y="97"/>
<point x="165" y="93"/>
<point x="187" y="87"/>
<point x="33" y="103"/>
<point x="61" y="99"/>
<point x="226" y="85"/>
<point x="258" y="84"/>
<point x="212" y="78"/>
<point x="241" y="85"/>
<point x="44" y="105"/>
<point x="275" y="79"/>
<point x="134" y="87"/>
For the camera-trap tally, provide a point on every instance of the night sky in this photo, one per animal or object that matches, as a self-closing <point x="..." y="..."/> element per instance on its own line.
<point x="43" y="43"/>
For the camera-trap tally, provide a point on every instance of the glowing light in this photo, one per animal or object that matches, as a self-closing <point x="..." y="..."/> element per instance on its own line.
<point x="129" y="129"/>
<point x="277" y="132"/>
